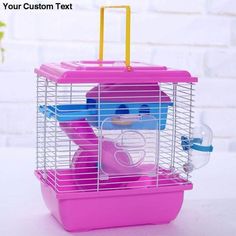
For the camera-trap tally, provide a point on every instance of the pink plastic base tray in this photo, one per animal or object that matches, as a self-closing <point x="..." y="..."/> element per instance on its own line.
<point x="83" y="211"/>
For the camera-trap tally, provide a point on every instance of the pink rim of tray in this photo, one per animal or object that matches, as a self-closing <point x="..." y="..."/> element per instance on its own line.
<point x="111" y="72"/>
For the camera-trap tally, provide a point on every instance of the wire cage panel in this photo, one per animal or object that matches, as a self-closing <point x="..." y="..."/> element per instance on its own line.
<point x="100" y="137"/>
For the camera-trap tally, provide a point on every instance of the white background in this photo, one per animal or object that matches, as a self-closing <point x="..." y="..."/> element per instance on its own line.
<point x="196" y="35"/>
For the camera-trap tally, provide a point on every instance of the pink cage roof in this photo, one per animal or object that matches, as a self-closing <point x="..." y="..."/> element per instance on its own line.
<point x="111" y="72"/>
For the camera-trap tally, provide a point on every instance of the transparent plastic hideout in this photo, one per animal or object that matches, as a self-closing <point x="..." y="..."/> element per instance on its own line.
<point x="115" y="140"/>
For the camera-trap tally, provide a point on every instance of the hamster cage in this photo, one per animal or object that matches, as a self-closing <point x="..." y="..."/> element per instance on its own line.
<point x="114" y="140"/>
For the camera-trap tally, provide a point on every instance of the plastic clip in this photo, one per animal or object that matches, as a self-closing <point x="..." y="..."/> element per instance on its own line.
<point x="195" y="144"/>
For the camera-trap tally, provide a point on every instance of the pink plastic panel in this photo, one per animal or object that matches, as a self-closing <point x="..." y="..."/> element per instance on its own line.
<point x="111" y="72"/>
<point x="129" y="93"/>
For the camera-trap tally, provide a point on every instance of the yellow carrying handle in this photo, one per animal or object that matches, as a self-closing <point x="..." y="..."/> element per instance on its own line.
<point x="127" y="40"/>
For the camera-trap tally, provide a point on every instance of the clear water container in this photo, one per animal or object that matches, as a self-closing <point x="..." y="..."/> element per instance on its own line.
<point x="199" y="146"/>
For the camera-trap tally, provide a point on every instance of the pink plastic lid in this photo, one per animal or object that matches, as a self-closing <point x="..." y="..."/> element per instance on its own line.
<point x="129" y="93"/>
<point x="111" y="72"/>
